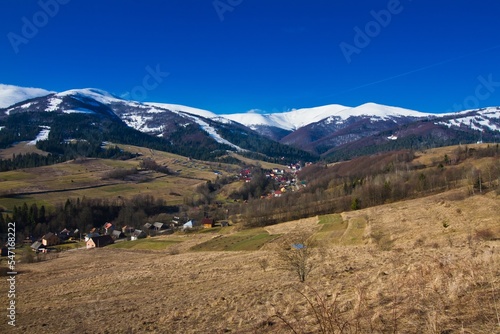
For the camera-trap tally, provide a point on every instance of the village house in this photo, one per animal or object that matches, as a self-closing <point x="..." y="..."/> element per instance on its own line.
<point x="278" y="171"/>
<point x="65" y="234"/>
<point x="100" y="241"/>
<point x="37" y="247"/>
<point x="93" y="233"/>
<point x="245" y="175"/>
<point x="157" y="226"/>
<point x="138" y="234"/>
<point x="128" y="229"/>
<point x="117" y="234"/>
<point x="188" y="225"/>
<point x="207" y="223"/>
<point x="108" y="228"/>
<point x="50" y="239"/>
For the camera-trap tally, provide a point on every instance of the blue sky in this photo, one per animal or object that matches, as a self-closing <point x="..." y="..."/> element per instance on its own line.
<point x="231" y="56"/>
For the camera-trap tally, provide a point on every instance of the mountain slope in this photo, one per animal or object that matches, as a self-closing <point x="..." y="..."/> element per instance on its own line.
<point x="347" y="132"/>
<point x="183" y="130"/>
<point x="332" y="132"/>
<point x="298" y="118"/>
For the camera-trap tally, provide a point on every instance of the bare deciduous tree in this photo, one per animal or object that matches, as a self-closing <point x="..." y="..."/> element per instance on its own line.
<point x="298" y="259"/>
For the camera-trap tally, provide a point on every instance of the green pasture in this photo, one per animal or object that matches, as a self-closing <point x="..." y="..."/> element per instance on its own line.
<point x="332" y="229"/>
<point x="248" y="240"/>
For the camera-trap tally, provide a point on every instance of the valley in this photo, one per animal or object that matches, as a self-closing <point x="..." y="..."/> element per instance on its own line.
<point x="355" y="220"/>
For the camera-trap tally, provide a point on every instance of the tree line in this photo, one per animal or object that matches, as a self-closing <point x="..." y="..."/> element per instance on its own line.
<point x="84" y="214"/>
<point x="375" y="180"/>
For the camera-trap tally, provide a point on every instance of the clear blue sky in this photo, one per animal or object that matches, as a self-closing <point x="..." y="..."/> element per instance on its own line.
<point x="232" y="56"/>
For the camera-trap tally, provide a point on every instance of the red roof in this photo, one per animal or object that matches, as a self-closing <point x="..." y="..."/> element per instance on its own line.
<point x="207" y="221"/>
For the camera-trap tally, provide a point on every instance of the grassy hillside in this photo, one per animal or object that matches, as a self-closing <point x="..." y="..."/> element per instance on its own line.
<point x="87" y="178"/>
<point x="428" y="265"/>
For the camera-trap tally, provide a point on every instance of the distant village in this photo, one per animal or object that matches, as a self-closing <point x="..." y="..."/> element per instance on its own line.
<point x="285" y="180"/>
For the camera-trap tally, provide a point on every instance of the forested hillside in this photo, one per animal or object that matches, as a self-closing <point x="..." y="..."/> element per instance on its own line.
<point x="377" y="179"/>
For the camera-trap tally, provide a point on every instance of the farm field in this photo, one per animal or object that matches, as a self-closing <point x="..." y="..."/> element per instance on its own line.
<point x="87" y="178"/>
<point x="429" y="265"/>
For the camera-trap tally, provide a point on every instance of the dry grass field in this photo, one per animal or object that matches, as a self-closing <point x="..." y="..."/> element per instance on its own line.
<point x="429" y="265"/>
<point x="86" y="178"/>
<point x="20" y="148"/>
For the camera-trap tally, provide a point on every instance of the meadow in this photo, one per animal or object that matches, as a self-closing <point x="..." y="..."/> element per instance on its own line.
<point x="393" y="268"/>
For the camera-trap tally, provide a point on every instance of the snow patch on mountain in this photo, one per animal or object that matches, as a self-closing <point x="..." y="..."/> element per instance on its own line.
<point x="183" y="109"/>
<point x="482" y="119"/>
<point x="212" y="132"/>
<point x="96" y="94"/>
<point x="137" y="122"/>
<point x="10" y="94"/>
<point x="78" y="111"/>
<point x="54" y="103"/>
<point x="42" y="135"/>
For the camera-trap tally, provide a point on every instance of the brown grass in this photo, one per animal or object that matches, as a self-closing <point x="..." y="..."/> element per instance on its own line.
<point x="20" y="148"/>
<point x="431" y="279"/>
<point x="86" y="178"/>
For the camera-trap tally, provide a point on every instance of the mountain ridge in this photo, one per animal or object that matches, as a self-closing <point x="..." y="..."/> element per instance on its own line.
<point x="330" y="131"/>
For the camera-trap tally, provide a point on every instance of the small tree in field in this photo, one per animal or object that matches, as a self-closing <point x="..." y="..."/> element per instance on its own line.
<point x="298" y="259"/>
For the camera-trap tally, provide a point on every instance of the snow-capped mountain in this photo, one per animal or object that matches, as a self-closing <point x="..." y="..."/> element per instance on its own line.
<point x="10" y="95"/>
<point x="298" y="118"/>
<point x="151" y="118"/>
<point x="179" y="129"/>
<point x="321" y="131"/>
<point x="291" y="120"/>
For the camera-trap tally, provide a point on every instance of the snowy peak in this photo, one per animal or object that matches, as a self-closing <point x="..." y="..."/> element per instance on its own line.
<point x="290" y="120"/>
<point x="94" y="93"/>
<point x="298" y="118"/>
<point x="10" y="95"/>
<point x="380" y="111"/>
<point x="318" y="130"/>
